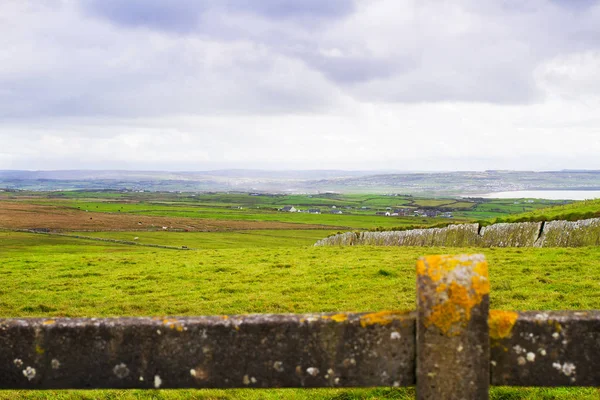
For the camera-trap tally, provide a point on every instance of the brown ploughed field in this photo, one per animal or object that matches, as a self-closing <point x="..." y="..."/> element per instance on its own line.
<point x="19" y="215"/>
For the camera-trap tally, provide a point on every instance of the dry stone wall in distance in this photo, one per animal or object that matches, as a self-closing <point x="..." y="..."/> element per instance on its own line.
<point x="522" y="234"/>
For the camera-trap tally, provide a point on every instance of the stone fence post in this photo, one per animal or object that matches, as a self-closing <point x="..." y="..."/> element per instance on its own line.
<point x="452" y="327"/>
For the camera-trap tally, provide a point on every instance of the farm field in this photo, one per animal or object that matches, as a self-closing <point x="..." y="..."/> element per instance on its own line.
<point x="221" y="211"/>
<point x="571" y="212"/>
<point x="113" y="280"/>
<point x="219" y="240"/>
<point x="238" y="266"/>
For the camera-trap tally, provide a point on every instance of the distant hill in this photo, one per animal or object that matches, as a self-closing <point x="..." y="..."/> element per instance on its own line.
<point x="471" y="183"/>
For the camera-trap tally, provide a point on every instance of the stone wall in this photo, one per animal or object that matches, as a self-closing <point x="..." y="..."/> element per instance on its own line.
<point x="523" y="234"/>
<point x="585" y="232"/>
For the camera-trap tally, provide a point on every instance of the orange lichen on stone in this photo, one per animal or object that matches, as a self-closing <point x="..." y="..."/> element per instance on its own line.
<point x="481" y="286"/>
<point x="381" y="318"/>
<point x="501" y="323"/>
<point x="456" y="309"/>
<point x="436" y="266"/>
<point x="48" y="322"/>
<point x="444" y="316"/>
<point x="457" y="284"/>
<point x="336" y="317"/>
<point x="173" y="324"/>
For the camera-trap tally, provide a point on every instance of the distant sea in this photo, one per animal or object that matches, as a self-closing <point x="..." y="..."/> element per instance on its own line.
<point x="544" y="194"/>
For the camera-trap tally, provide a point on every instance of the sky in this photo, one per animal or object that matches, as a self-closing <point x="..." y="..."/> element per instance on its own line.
<point x="277" y="84"/>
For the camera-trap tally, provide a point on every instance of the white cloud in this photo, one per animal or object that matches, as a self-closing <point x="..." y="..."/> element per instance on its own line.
<point x="412" y="85"/>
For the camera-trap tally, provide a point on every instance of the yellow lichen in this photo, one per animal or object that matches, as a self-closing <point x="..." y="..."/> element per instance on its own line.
<point x="455" y="294"/>
<point x="481" y="286"/>
<point x="455" y="310"/>
<point x="441" y="288"/>
<point x="381" y="318"/>
<point x="481" y="268"/>
<point x="501" y="323"/>
<point x="173" y="324"/>
<point x="48" y="322"/>
<point x="336" y="317"/>
<point x="39" y="349"/>
<point x="437" y="266"/>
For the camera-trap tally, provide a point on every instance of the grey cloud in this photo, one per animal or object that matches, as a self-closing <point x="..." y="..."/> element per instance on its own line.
<point x="294" y="9"/>
<point x="177" y="16"/>
<point x="269" y="57"/>
<point x="185" y="16"/>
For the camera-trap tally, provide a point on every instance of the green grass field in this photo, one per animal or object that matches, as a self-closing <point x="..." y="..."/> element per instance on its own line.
<point x="268" y="271"/>
<point x="571" y="212"/>
<point x="226" y="206"/>
<point x="58" y="276"/>
<point x="218" y="240"/>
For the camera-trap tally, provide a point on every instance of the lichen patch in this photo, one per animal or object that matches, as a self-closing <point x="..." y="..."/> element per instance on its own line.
<point x="501" y="323"/>
<point x="173" y="323"/>
<point x="121" y="370"/>
<point x="336" y="317"/>
<point x="381" y="318"/>
<point x="29" y="373"/>
<point x="457" y="285"/>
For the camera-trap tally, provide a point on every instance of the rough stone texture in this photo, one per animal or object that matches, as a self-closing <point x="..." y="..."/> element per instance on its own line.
<point x="522" y="234"/>
<point x="311" y="350"/>
<point x="558" y="348"/>
<point x="570" y="233"/>
<point x="458" y="235"/>
<point x="344" y="239"/>
<point x="452" y="327"/>
<point x="461" y="235"/>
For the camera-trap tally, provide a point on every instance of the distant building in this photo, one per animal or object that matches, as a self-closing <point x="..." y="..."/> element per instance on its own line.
<point x="289" y="209"/>
<point x="314" y="211"/>
<point x="336" y="212"/>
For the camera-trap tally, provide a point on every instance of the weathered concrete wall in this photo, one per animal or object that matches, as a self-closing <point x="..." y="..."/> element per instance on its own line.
<point x="523" y="234"/>
<point x="570" y="233"/>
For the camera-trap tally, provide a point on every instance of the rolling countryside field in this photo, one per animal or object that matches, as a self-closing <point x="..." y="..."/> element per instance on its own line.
<point x="228" y="260"/>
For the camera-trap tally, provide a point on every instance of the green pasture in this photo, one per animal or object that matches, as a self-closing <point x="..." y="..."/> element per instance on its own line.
<point x="362" y="220"/>
<point x="247" y="207"/>
<point x="15" y="244"/>
<point x="493" y="208"/>
<point x="57" y="276"/>
<point x="278" y="271"/>
<point x="573" y="211"/>
<point x="219" y="240"/>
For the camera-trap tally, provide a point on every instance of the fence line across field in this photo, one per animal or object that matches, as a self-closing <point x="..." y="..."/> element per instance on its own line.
<point x="451" y="347"/>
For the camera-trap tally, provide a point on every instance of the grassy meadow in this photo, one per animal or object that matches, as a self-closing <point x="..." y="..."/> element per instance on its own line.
<point x="262" y="271"/>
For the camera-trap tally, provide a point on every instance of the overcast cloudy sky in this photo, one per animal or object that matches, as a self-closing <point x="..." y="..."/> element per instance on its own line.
<point x="306" y="84"/>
